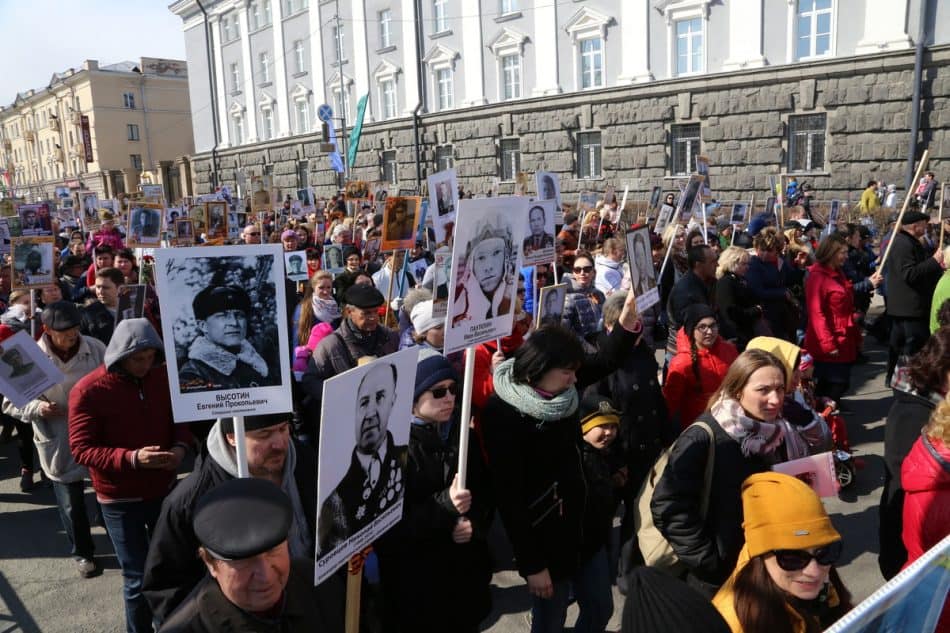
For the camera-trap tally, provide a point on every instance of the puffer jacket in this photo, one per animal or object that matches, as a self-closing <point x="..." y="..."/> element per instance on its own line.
<point x="832" y="322"/>
<point x="51" y="435"/>
<point x="686" y="397"/>
<point x="583" y="309"/>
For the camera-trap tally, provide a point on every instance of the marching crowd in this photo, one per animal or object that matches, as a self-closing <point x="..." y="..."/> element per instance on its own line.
<point x="575" y="424"/>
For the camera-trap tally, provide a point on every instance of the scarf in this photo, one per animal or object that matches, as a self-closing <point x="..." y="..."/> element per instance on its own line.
<point x="754" y="436"/>
<point x="526" y="400"/>
<point x="225" y="361"/>
<point x="324" y="310"/>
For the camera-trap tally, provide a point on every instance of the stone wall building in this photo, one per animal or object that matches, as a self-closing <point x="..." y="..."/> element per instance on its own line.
<point x="622" y="92"/>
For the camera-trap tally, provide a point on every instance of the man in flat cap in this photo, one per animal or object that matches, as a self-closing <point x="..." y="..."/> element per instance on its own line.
<point x="359" y="334"/>
<point x="221" y="357"/>
<point x="171" y="569"/>
<point x="252" y="583"/>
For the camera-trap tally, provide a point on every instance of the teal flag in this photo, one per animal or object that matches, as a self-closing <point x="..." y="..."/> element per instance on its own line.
<point x="356" y="131"/>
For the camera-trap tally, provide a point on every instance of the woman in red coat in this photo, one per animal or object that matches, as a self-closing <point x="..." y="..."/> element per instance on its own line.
<point x="925" y="475"/>
<point x="701" y="362"/>
<point x="832" y="336"/>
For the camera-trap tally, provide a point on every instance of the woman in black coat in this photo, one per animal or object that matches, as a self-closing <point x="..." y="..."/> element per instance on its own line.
<point x="738" y="311"/>
<point x="917" y="391"/>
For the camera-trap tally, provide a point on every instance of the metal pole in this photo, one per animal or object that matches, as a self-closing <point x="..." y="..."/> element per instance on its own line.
<point x="915" y="101"/>
<point x="339" y="48"/>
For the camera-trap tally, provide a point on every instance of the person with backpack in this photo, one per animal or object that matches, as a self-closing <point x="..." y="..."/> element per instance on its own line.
<point x="696" y="508"/>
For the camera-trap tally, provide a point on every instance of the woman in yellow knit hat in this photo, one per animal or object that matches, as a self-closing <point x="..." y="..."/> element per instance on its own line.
<point x="785" y="580"/>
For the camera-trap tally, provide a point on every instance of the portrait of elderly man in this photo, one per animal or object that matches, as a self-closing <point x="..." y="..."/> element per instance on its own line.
<point x="537" y="239"/>
<point x="374" y="481"/>
<point x="486" y="285"/>
<point x="221" y="357"/>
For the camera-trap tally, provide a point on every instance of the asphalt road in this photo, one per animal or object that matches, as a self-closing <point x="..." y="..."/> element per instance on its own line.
<point x="40" y="589"/>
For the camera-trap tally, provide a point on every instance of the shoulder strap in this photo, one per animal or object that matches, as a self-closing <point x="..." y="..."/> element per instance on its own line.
<point x="710" y="463"/>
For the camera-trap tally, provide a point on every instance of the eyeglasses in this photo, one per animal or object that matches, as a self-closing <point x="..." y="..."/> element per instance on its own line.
<point x="583" y="269"/>
<point x="710" y="327"/>
<point x="254" y="234"/>
<point x="798" y="559"/>
<point x="439" y="392"/>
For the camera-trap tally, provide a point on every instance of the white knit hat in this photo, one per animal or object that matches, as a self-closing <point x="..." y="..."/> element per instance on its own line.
<point x="422" y="319"/>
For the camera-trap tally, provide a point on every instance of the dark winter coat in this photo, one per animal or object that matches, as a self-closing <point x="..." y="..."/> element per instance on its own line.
<point x="911" y="276"/>
<point x="768" y="287"/>
<point x="738" y="310"/>
<point x="97" y="321"/>
<point x="689" y="290"/>
<point x="602" y="500"/>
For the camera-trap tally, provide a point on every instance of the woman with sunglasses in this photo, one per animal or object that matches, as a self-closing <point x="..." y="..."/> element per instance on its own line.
<point x="583" y="306"/>
<point x="784" y="580"/>
<point x="435" y="564"/>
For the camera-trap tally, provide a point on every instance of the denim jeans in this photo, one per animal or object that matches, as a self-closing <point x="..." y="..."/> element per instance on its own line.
<point x="592" y="588"/>
<point x="71" y="503"/>
<point x="129" y="524"/>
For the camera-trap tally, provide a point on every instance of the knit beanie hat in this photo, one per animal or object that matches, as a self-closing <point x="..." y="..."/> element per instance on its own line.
<point x="597" y="410"/>
<point x="657" y="601"/>
<point x="432" y="369"/>
<point x="422" y="319"/>
<point x="256" y="422"/>
<point x="783" y="512"/>
<point x="694" y="314"/>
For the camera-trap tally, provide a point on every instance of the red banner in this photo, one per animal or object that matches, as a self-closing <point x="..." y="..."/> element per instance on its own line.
<point x="86" y="138"/>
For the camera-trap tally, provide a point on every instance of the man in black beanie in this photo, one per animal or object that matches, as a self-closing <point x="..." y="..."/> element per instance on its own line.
<point x="171" y="569"/>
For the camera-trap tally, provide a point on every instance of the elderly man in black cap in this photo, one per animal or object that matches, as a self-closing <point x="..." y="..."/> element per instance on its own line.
<point x="221" y="357"/>
<point x="172" y="570"/>
<point x="359" y="334"/>
<point x="75" y="355"/>
<point x="252" y="583"/>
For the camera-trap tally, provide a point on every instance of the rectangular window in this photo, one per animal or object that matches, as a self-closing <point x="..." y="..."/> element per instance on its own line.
<point x="300" y="56"/>
<point x="136" y="160"/>
<point x="508" y="6"/>
<point x="387" y="96"/>
<point x="511" y="77"/>
<point x="290" y="6"/>
<point x="226" y="34"/>
<point x="592" y="63"/>
<point x="510" y="162"/>
<point x="342" y="106"/>
<point x="684" y="148"/>
<point x="338" y="42"/>
<point x="303" y="174"/>
<point x="237" y="130"/>
<point x="267" y="124"/>
<point x="133" y="131"/>
<point x="385" y="28"/>
<point x="806" y="142"/>
<point x="814" y="28"/>
<point x="302" y="108"/>
<point x="689" y="46"/>
<point x="439" y="23"/>
<point x="588" y="155"/>
<point x="267" y="14"/>
<point x="444" y="88"/>
<point x="255" y="16"/>
<point x="444" y="158"/>
<point x="235" y="78"/>
<point x="263" y="66"/>
<point x="388" y="167"/>
<point x="128" y="100"/>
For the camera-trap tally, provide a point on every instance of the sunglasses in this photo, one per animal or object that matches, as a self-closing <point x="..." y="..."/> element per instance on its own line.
<point x="583" y="269"/>
<point x="798" y="559"/>
<point x="439" y="392"/>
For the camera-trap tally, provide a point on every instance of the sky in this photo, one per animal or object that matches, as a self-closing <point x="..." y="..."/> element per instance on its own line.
<point x="49" y="36"/>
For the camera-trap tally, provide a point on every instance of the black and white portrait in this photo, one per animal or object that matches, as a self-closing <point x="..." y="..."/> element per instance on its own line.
<point x="89" y="203"/>
<point x="224" y="322"/>
<point x="642" y="273"/>
<point x="32" y="262"/>
<point x="361" y="473"/>
<point x="131" y="302"/>
<point x="549" y="188"/>
<point x="333" y="258"/>
<point x="35" y="219"/>
<point x="551" y="305"/>
<point x="833" y="213"/>
<point x="702" y="168"/>
<point x="655" y="196"/>
<point x="538" y="244"/>
<point x="25" y="371"/>
<point x="145" y="224"/>
<point x="217" y="219"/>
<point x="295" y="265"/>
<point x="485" y="263"/>
<point x="687" y="203"/>
<point x="663" y="219"/>
<point x="443" y="203"/>
<point x="740" y="213"/>
<point x="184" y="232"/>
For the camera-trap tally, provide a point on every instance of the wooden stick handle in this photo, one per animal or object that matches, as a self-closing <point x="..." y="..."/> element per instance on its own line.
<point x="900" y="216"/>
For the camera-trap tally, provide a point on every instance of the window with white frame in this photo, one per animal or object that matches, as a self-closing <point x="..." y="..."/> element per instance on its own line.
<point x="254" y="13"/>
<point x="300" y="57"/>
<point x="388" y="167"/>
<point x="592" y="62"/>
<point x="588" y="155"/>
<point x="445" y="88"/>
<point x="806" y="142"/>
<point x="685" y="146"/>
<point x="508" y="6"/>
<point x="338" y="43"/>
<point x="237" y="129"/>
<point x="511" y="76"/>
<point x="235" y="77"/>
<point x="444" y="158"/>
<point x="267" y="123"/>
<point x="387" y="98"/>
<point x="128" y="100"/>
<point x="814" y="28"/>
<point x="689" y="46"/>
<point x="302" y="111"/>
<point x="263" y="67"/>
<point x="385" y="28"/>
<point x="266" y="17"/>
<point x="226" y="33"/>
<point x="132" y="131"/>
<point x="439" y="22"/>
<point x="341" y="102"/>
<point x="509" y="163"/>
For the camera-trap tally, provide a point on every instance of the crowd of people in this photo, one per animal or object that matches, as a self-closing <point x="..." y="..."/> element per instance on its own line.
<point x="735" y="370"/>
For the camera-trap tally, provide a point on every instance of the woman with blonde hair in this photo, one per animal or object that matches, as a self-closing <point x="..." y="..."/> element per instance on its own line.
<point x="739" y="313"/>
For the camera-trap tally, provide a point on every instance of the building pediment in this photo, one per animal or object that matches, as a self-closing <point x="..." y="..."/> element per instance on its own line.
<point x="440" y="55"/>
<point x="300" y="93"/>
<point x="334" y="81"/>
<point x="386" y="70"/>
<point x="587" y="21"/>
<point x="236" y="109"/>
<point x="266" y="101"/>
<point x="508" y="40"/>
<point x="674" y="10"/>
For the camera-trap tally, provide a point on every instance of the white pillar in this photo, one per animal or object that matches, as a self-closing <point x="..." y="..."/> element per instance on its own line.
<point x="360" y="57"/>
<point x="545" y="40"/>
<point x="250" y="119"/>
<point x="282" y="116"/>
<point x="745" y="35"/>
<point x="635" y="42"/>
<point x="885" y="26"/>
<point x="791" y="18"/>
<point x="410" y="60"/>
<point x="470" y="25"/>
<point x="317" y="76"/>
<point x="223" y="122"/>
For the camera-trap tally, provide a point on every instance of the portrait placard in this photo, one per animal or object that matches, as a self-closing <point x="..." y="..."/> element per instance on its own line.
<point x="361" y="482"/>
<point x="184" y="232"/>
<point x="35" y="219"/>
<point x="538" y="244"/>
<point x="551" y="305"/>
<point x="663" y="219"/>
<point x="145" y="224"/>
<point x="217" y="219"/>
<point x="356" y="189"/>
<point x="689" y="202"/>
<point x="225" y="324"/>
<point x="486" y="259"/>
<point x="443" y="202"/>
<point x="131" y="302"/>
<point x="25" y="371"/>
<point x="171" y="216"/>
<point x="702" y="168"/>
<point x="833" y="213"/>
<point x="400" y="220"/>
<point x="198" y="213"/>
<point x="295" y="265"/>
<point x="154" y="193"/>
<point x="32" y="262"/>
<point x="740" y="213"/>
<point x="655" y="196"/>
<point x="441" y="274"/>
<point x="333" y="258"/>
<point x="642" y="272"/>
<point x="262" y="196"/>
<point x="7" y="208"/>
<point x="548" y="186"/>
<point x="89" y="204"/>
<point x="5" y="236"/>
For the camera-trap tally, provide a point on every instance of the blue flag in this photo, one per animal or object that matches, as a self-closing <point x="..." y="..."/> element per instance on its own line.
<point x="336" y="160"/>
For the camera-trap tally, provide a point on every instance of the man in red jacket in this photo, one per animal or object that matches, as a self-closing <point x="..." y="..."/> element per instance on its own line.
<point x="121" y="428"/>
